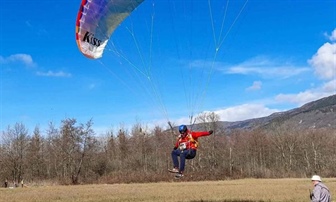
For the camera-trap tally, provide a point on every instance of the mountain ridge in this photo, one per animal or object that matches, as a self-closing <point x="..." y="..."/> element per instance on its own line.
<point x="320" y="113"/>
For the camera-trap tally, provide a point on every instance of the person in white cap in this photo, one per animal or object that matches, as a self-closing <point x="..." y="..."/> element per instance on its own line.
<point x="320" y="192"/>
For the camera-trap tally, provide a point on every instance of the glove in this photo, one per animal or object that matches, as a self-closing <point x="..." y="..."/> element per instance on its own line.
<point x="311" y="196"/>
<point x="210" y="132"/>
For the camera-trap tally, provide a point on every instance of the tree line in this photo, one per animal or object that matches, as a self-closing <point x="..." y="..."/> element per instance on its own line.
<point x="75" y="154"/>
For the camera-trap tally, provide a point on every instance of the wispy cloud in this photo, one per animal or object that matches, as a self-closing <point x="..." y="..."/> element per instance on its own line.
<point x="36" y="30"/>
<point x="326" y="89"/>
<point x="28" y="24"/>
<point x="332" y="36"/>
<point x="302" y="97"/>
<point x="329" y="86"/>
<point x="53" y="74"/>
<point x="92" y="86"/>
<point x="255" y="86"/>
<point x="243" y="112"/>
<point x="21" y="58"/>
<point x="266" y="68"/>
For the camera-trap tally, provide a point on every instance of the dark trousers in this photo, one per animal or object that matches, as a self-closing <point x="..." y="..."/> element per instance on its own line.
<point x="185" y="154"/>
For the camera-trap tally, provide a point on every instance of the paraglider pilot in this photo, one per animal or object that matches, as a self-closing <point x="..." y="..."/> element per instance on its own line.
<point x="185" y="147"/>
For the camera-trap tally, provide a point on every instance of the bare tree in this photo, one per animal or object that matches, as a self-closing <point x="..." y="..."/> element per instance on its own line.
<point x="53" y="158"/>
<point x="209" y="121"/>
<point x="123" y="148"/>
<point x="15" y="147"/>
<point x="35" y="157"/>
<point x="84" y="145"/>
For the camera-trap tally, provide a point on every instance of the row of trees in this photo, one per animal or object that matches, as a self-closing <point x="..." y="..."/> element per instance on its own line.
<point x="73" y="153"/>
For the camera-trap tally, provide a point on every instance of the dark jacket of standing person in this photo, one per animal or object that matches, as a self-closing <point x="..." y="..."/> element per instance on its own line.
<point x="6" y="183"/>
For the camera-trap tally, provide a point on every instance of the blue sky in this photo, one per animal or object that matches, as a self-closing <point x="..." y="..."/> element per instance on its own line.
<point x="168" y="60"/>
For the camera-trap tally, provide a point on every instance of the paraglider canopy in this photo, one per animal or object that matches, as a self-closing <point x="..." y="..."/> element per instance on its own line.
<point x="96" y="21"/>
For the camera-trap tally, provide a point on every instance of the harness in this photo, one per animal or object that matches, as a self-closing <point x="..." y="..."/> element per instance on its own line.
<point x="191" y="140"/>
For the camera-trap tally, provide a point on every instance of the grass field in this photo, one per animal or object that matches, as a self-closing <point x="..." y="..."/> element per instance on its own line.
<point x="245" y="190"/>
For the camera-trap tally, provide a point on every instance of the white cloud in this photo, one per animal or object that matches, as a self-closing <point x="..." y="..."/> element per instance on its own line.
<point x="53" y="74"/>
<point x="266" y="68"/>
<point x="329" y="87"/>
<point x="300" y="98"/>
<point x="332" y="37"/>
<point x="255" y="86"/>
<point x="324" y="61"/>
<point x="23" y="58"/>
<point x="308" y="95"/>
<point x="244" y="112"/>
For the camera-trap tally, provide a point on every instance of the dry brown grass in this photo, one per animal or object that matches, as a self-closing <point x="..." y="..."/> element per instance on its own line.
<point x="245" y="190"/>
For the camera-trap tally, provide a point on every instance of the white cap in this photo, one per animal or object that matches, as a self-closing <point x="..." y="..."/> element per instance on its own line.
<point x="316" y="178"/>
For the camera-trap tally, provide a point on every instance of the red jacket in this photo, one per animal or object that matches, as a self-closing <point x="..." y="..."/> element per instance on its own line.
<point x="190" y="141"/>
